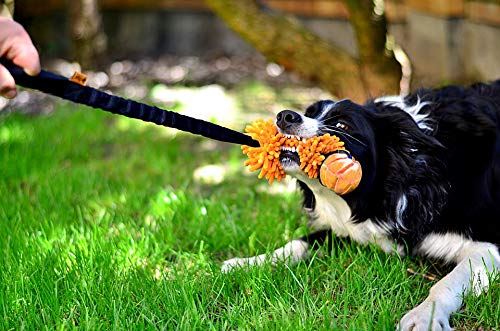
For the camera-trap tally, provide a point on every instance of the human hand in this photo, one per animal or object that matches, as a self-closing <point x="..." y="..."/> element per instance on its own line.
<point x="16" y="46"/>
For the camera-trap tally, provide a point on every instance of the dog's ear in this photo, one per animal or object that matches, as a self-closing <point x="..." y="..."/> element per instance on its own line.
<point x="401" y="131"/>
<point x="402" y="147"/>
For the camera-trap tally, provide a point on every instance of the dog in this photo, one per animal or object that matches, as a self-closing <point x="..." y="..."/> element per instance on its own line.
<point x="430" y="187"/>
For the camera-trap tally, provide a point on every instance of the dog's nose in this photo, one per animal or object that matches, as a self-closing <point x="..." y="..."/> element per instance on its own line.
<point x="286" y="118"/>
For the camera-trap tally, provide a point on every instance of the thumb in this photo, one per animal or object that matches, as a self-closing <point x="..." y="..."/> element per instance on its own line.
<point x="16" y="45"/>
<point x="26" y="56"/>
<point x="7" y="84"/>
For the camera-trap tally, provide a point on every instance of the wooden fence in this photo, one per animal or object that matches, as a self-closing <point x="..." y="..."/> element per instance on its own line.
<point x="487" y="11"/>
<point x="447" y="40"/>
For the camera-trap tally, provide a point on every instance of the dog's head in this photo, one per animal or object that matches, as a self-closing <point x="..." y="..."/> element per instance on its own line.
<point x="351" y="122"/>
<point x="384" y="139"/>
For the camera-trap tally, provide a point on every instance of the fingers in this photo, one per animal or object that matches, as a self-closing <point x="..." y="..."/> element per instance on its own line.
<point x="16" y="45"/>
<point x="27" y="57"/>
<point x="7" y="84"/>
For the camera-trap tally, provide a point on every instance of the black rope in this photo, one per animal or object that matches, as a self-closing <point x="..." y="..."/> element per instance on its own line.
<point x="64" y="88"/>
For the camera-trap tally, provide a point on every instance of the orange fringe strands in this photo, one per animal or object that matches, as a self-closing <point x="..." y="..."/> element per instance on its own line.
<point x="266" y="157"/>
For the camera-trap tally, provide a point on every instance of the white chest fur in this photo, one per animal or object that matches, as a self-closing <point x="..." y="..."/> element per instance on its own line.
<point x="332" y="212"/>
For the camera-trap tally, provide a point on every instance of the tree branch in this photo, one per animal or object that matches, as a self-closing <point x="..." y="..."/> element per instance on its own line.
<point x="285" y="41"/>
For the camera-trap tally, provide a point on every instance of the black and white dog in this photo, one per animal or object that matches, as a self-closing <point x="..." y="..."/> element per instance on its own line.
<point x="430" y="186"/>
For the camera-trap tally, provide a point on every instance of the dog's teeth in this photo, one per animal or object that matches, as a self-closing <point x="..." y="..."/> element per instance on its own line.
<point x="291" y="136"/>
<point x="290" y="149"/>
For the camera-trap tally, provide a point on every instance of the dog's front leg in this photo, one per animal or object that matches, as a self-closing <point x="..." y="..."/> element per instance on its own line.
<point x="293" y="252"/>
<point x="290" y="254"/>
<point x="475" y="261"/>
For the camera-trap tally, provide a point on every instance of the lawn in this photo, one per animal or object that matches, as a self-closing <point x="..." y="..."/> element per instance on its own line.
<point x="110" y="223"/>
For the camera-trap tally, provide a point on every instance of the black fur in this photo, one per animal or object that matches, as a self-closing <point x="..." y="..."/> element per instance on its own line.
<point x="449" y="172"/>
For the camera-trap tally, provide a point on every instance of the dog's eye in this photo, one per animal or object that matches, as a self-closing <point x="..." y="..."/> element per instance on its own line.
<point x="342" y="126"/>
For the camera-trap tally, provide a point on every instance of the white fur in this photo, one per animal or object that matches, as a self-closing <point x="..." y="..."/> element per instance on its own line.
<point x="414" y="111"/>
<point x="400" y="209"/>
<point x="325" y="111"/>
<point x="475" y="261"/>
<point x="443" y="246"/>
<point x="309" y="128"/>
<point x="333" y="212"/>
<point x="290" y="254"/>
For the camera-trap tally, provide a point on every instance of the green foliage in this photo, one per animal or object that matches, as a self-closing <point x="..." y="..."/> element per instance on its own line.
<point x="102" y="226"/>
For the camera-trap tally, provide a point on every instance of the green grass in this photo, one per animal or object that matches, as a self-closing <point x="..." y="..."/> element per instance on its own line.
<point x="103" y="227"/>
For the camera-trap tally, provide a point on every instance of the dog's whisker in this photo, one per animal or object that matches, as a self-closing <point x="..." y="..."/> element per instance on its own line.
<point x="343" y="133"/>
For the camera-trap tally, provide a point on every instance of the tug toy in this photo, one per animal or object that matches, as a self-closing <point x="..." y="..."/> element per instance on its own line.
<point x="337" y="169"/>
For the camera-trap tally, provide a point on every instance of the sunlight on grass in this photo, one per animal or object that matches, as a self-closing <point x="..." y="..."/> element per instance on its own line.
<point x="210" y="103"/>
<point x="125" y="125"/>
<point x="15" y="133"/>
<point x="286" y="187"/>
<point x="210" y="174"/>
<point x="166" y="202"/>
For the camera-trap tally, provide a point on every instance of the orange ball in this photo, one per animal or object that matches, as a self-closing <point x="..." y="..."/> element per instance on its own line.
<point x="340" y="173"/>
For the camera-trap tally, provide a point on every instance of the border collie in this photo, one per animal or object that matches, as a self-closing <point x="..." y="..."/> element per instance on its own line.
<point x="430" y="187"/>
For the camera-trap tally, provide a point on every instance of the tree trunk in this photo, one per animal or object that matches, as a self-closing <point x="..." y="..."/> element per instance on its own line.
<point x="285" y="41"/>
<point x="88" y="41"/>
<point x="379" y="67"/>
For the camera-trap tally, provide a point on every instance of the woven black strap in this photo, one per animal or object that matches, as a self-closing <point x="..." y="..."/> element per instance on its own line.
<point x="64" y="88"/>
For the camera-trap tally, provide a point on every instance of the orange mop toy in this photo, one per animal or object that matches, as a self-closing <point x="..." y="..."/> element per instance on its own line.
<point x="324" y="155"/>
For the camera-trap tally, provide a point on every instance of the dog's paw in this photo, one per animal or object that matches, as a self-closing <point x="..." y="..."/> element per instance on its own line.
<point x="233" y="264"/>
<point x="425" y="317"/>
